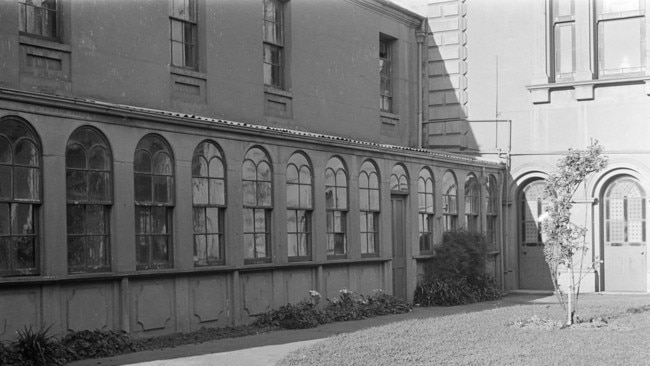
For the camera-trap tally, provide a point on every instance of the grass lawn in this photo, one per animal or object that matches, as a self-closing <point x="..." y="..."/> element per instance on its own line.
<point x="517" y="335"/>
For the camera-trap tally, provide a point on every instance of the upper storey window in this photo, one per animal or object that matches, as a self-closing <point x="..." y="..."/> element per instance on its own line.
<point x="564" y="38"/>
<point x="39" y="18"/>
<point x="273" y="32"/>
<point x="621" y="37"/>
<point x="20" y="198"/>
<point x="386" y="74"/>
<point x="184" y="33"/>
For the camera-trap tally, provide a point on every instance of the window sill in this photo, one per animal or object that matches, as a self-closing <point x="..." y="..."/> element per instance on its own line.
<point x="44" y="43"/>
<point x="187" y="72"/>
<point x="584" y="90"/>
<point x="278" y="92"/>
<point x="389" y="118"/>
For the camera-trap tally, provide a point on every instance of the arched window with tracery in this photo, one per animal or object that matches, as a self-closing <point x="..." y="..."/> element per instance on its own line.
<point x="399" y="180"/>
<point x="369" y="209"/>
<point x="472" y="206"/>
<point x="208" y="204"/>
<point x="625" y="213"/>
<point x="153" y="168"/>
<point x="299" y="207"/>
<point x="426" y="210"/>
<point x="89" y="193"/>
<point x="492" y="212"/>
<point x="449" y="201"/>
<point x="20" y="197"/>
<point x="336" y="204"/>
<point x="257" y="199"/>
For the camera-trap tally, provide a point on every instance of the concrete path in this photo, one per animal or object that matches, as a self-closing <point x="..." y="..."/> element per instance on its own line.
<point x="267" y="348"/>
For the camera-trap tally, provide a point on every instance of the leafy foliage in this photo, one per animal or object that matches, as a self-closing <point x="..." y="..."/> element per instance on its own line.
<point x="456" y="275"/>
<point x="348" y="306"/>
<point x="37" y="347"/>
<point x="97" y="343"/>
<point x="563" y="239"/>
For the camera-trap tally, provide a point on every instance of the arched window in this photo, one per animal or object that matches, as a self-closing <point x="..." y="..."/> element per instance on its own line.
<point x="208" y="204"/>
<point x="153" y="168"/>
<point x="472" y="199"/>
<point x="336" y="203"/>
<point x="89" y="192"/>
<point x="426" y="210"/>
<point x="492" y="213"/>
<point x="369" y="209"/>
<point x="399" y="181"/>
<point x="624" y="213"/>
<point x="20" y="197"/>
<point x="299" y="207"/>
<point x="257" y="198"/>
<point x="449" y="201"/>
<point x="531" y="206"/>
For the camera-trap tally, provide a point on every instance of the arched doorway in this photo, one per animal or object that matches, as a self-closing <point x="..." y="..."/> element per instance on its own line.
<point x="624" y="236"/>
<point x="533" y="270"/>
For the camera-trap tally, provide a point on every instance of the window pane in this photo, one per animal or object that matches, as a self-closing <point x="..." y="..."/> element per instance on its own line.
<point x="249" y="245"/>
<point x="21" y="219"/>
<point x="214" y="247"/>
<point x="142" y="162"/>
<point x="142" y="220"/>
<point x="5" y="253"/>
<point x="363" y="222"/>
<point x="96" y="251"/>
<point x="76" y="185"/>
<point x="199" y="166"/>
<point x="4" y="219"/>
<point x="329" y="198"/>
<point x="99" y="159"/>
<point x="198" y="218"/>
<point x="212" y="220"/>
<point x="216" y="168"/>
<point x="249" y="171"/>
<point x="330" y="177"/>
<point x="249" y="189"/>
<point x="264" y="194"/>
<point x="99" y="183"/>
<point x="363" y="200"/>
<point x="260" y="221"/>
<point x="374" y="199"/>
<point x="293" y="196"/>
<point x="26" y="153"/>
<point x="76" y="252"/>
<point x="177" y="54"/>
<point x="621" y="45"/>
<point x="162" y="164"/>
<point x="338" y="222"/>
<point x="217" y="192"/>
<point x="75" y="219"/>
<point x="143" y="188"/>
<point x="95" y="219"/>
<point x="292" y="174"/>
<point x="260" y="245"/>
<point x="142" y="249"/>
<point x="292" y="245"/>
<point x="264" y="171"/>
<point x="25" y="254"/>
<point x="291" y="221"/>
<point x="200" y="249"/>
<point x="618" y="6"/>
<point x="200" y="191"/>
<point x="160" y="249"/>
<point x="5" y="182"/>
<point x="248" y="220"/>
<point x="342" y="198"/>
<point x="162" y="189"/>
<point x="159" y="220"/>
<point x="75" y="157"/>
<point x="5" y="151"/>
<point x="305" y="196"/>
<point x="564" y="46"/>
<point x="26" y="183"/>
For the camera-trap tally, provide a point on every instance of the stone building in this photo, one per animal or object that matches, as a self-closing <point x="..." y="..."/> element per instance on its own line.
<point x="169" y="165"/>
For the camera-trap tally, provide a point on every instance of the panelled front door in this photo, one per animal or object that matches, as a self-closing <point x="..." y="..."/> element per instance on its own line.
<point x="399" y="245"/>
<point x="533" y="270"/>
<point x="624" y="244"/>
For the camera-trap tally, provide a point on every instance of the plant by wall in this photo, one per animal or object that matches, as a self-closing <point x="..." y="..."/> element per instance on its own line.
<point x="564" y="241"/>
<point x="456" y="275"/>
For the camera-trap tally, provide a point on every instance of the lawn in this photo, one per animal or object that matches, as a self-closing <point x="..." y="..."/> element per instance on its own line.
<point x="517" y="335"/>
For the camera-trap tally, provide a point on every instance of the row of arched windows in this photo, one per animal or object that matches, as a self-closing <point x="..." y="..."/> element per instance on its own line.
<point x="89" y="193"/>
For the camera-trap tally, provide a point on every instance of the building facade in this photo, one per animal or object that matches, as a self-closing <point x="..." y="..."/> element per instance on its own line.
<point x="525" y="81"/>
<point x="166" y="166"/>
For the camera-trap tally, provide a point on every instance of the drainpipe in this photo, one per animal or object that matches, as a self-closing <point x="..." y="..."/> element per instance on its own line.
<point x="420" y="37"/>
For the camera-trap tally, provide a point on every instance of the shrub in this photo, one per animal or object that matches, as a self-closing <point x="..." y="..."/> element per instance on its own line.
<point x="97" y="343"/>
<point x="456" y="275"/>
<point x="349" y="306"/>
<point x="37" y="347"/>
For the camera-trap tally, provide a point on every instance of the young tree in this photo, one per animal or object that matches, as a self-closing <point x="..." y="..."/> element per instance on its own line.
<point x="564" y="241"/>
